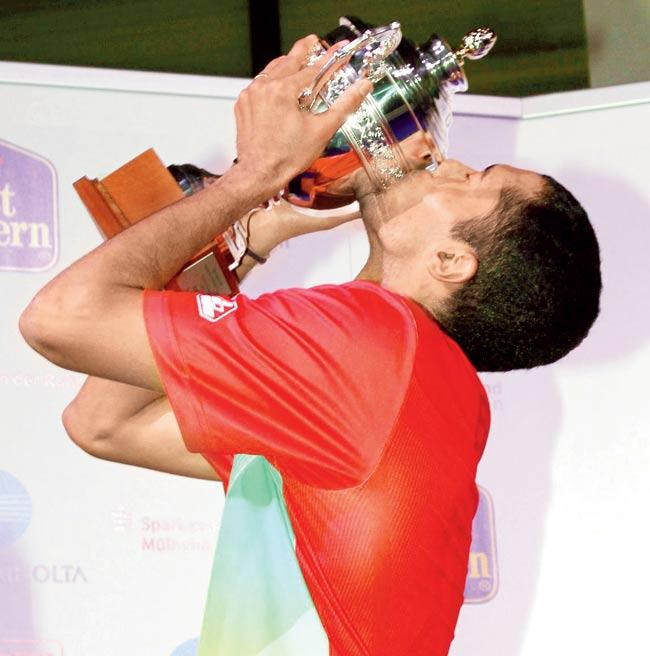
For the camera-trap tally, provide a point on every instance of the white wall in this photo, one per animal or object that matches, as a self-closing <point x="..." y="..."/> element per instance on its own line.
<point x="567" y="460"/>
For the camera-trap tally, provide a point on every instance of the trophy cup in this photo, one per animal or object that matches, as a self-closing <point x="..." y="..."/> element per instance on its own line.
<point x="410" y="106"/>
<point x="408" y="110"/>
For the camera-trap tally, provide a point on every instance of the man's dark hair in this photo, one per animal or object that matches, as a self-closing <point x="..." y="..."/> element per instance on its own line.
<point x="537" y="288"/>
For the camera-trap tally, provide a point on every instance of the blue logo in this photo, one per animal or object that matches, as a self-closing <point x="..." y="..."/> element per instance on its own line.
<point x="28" y="210"/>
<point x="15" y="509"/>
<point x="189" y="648"/>
<point x="482" y="571"/>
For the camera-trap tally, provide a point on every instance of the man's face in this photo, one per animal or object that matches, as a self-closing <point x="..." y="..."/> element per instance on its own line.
<point x="424" y="207"/>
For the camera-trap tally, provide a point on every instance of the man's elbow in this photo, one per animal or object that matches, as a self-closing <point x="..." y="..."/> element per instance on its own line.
<point x="73" y="427"/>
<point x="32" y="325"/>
<point x="48" y="324"/>
<point x="84" y="435"/>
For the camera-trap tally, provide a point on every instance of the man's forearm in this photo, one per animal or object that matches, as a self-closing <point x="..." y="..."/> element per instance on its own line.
<point x="101" y="405"/>
<point x="89" y="317"/>
<point x="148" y="254"/>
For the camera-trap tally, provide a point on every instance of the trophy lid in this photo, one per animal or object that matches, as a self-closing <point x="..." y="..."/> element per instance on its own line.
<point x="437" y="73"/>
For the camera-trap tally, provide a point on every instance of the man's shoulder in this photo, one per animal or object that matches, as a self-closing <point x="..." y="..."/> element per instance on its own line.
<point x="361" y="295"/>
<point x="359" y="319"/>
<point x="359" y="303"/>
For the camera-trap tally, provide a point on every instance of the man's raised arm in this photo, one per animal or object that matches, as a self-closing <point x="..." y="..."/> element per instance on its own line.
<point x="89" y="317"/>
<point x="134" y="426"/>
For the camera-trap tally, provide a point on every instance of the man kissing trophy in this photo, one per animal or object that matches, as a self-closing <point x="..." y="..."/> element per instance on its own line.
<point x="402" y="125"/>
<point x="346" y="420"/>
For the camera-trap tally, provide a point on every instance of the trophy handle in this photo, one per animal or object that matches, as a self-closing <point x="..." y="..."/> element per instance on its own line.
<point x="476" y="44"/>
<point x="377" y="44"/>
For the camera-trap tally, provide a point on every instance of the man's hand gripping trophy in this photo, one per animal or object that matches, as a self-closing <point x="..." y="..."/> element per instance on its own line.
<point x="277" y="137"/>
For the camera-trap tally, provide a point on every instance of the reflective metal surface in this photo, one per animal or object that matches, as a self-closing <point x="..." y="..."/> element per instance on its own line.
<point x="402" y="125"/>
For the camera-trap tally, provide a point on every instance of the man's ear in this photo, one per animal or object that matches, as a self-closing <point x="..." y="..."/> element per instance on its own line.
<point x="453" y="262"/>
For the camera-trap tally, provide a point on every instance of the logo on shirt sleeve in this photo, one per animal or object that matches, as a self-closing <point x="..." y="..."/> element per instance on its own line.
<point x="214" y="308"/>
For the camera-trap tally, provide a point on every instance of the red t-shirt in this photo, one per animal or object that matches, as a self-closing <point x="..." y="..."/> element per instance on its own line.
<point x="375" y="419"/>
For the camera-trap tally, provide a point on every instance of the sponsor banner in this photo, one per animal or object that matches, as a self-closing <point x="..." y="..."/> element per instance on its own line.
<point x="28" y="211"/>
<point x="15" y="509"/>
<point x="30" y="648"/>
<point x="481" y="582"/>
<point x="157" y="535"/>
<point x="11" y="574"/>
<point x="188" y="648"/>
<point x="57" y="379"/>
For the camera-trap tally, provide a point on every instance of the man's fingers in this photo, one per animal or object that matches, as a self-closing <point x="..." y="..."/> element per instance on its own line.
<point x="306" y="75"/>
<point x="293" y="61"/>
<point x="346" y="104"/>
<point x="271" y="66"/>
<point x="302" y="48"/>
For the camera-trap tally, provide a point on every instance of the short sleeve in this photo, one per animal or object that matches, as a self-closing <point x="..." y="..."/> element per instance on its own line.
<point x="311" y="379"/>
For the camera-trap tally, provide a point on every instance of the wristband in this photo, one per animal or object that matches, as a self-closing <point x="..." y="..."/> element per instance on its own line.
<point x="258" y="258"/>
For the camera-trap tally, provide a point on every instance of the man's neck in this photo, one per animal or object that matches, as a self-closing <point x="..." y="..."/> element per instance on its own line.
<point x="378" y="208"/>
<point x="372" y="269"/>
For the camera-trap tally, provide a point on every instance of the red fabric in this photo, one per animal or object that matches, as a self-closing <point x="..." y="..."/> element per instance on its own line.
<point x="376" y="421"/>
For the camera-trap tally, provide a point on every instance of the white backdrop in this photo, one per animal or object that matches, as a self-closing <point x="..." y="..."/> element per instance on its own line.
<point x="98" y="559"/>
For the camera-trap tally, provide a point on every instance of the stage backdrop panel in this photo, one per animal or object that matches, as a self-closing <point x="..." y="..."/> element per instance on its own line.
<point x="98" y="559"/>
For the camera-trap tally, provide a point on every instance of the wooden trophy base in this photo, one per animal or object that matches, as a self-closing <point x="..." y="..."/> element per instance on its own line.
<point x="137" y="190"/>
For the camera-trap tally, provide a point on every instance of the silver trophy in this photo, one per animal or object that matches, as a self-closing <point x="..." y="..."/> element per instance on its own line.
<point x="408" y="109"/>
<point x="407" y="113"/>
